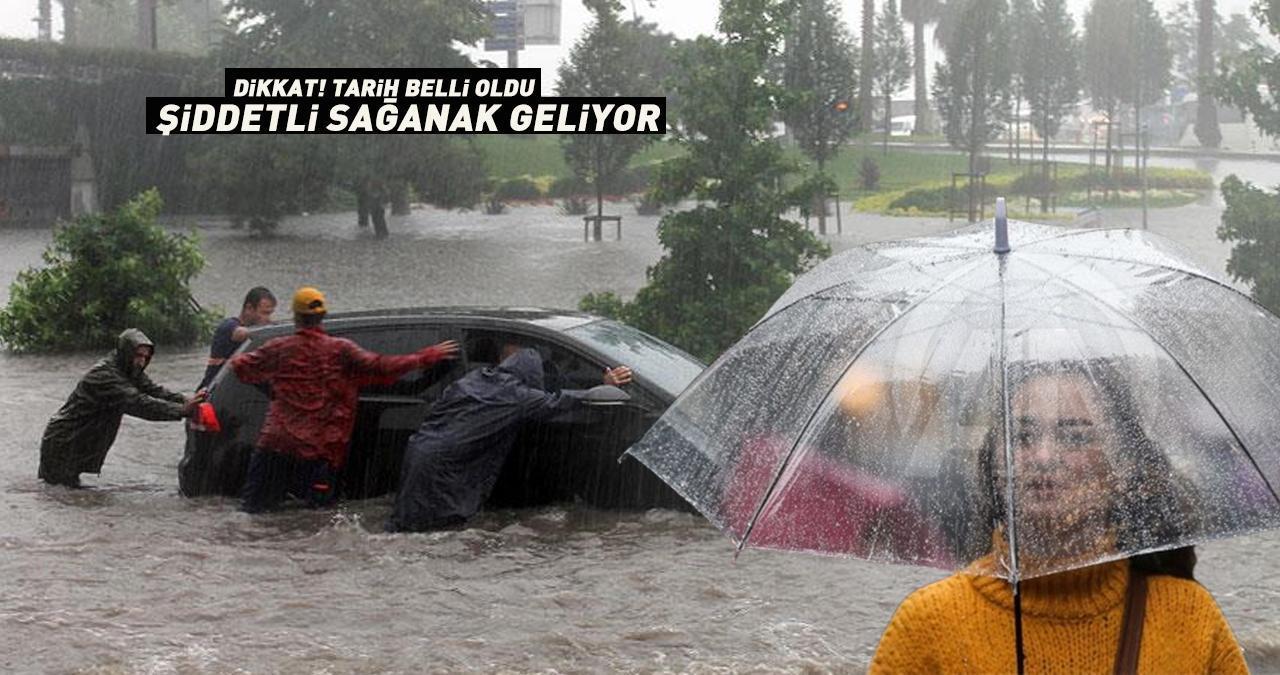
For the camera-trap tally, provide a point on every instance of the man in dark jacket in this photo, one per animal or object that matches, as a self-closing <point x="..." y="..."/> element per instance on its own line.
<point x="259" y="304"/>
<point x="453" y="460"/>
<point x="79" y="435"/>
<point x="315" y="383"/>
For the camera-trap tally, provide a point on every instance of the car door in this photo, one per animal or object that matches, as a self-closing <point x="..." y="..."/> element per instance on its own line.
<point x="388" y="414"/>
<point x="573" y="455"/>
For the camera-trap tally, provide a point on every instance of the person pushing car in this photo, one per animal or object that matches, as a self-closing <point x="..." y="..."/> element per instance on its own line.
<point x="315" y="380"/>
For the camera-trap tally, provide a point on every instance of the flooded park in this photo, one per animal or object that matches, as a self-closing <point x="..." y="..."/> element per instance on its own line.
<point x="131" y="577"/>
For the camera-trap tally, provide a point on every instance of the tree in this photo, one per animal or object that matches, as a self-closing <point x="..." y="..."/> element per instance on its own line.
<point x="865" y="85"/>
<point x="1195" y="66"/>
<point x="103" y="273"/>
<point x="971" y="87"/>
<point x="388" y="34"/>
<point x="920" y="13"/>
<point x="819" y="74"/>
<point x="1251" y="225"/>
<point x="1023" y="29"/>
<point x="1151" y="59"/>
<point x="181" y="26"/>
<point x="1207" y="130"/>
<point x="1050" y="74"/>
<point x="729" y="258"/>
<point x="892" y="62"/>
<point x="1127" y="58"/>
<point x="1251" y="219"/>
<point x="609" y="60"/>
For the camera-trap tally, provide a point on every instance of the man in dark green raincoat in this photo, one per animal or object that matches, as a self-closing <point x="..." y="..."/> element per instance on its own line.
<point x="81" y="432"/>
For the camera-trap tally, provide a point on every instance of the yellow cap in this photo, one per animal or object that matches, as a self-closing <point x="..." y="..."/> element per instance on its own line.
<point x="308" y="300"/>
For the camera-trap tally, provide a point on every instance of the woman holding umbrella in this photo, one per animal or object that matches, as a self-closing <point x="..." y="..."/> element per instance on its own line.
<point x="1090" y="481"/>
<point x="881" y="369"/>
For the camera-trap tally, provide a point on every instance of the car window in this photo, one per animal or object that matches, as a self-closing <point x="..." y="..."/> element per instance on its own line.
<point x="651" y="358"/>
<point x="405" y="340"/>
<point x="561" y="368"/>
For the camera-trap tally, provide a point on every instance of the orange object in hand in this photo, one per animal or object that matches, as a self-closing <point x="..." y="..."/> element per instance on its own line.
<point x="206" y="419"/>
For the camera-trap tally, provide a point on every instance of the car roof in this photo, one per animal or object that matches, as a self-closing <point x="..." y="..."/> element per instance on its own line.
<point x="558" y="320"/>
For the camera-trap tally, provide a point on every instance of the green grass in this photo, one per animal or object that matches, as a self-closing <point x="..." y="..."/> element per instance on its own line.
<point x="540" y="155"/>
<point x="911" y="183"/>
<point x="512" y="156"/>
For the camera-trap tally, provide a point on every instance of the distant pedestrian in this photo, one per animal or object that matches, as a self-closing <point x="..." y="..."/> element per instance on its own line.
<point x="79" y="435"/>
<point x="315" y="380"/>
<point x="258" y="306"/>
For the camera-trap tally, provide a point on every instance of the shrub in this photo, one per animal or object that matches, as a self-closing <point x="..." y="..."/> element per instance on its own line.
<point x="494" y="206"/>
<point x="604" y="304"/>
<point x="648" y="205"/>
<point x="521" y="188"/>
<point x="568" y="186"/>
<point x="633" y="180"/>
<point x="1034" y="183"/>
<point x="574" y="206"/>
<point x="869" y="174"/>
<point x="104" y="273"/>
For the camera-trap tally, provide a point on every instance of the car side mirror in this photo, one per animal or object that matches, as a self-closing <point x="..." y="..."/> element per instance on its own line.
<point x="605" y="394"/>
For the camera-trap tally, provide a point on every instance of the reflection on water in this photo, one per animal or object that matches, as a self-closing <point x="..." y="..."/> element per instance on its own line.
<point x="129" y="577"/>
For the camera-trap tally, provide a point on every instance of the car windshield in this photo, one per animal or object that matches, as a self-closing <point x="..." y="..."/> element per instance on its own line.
<point x="652" y="359"/>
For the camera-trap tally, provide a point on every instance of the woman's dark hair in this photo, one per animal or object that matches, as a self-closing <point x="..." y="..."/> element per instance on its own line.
<point x="1152" y="509"/>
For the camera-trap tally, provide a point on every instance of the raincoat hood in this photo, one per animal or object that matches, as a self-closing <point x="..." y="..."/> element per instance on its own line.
<point x="127" y="343"/>
<point x="526" y="366"/>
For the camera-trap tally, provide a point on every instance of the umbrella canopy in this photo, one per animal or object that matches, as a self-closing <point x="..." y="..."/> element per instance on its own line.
<point x="1086" y="396"/>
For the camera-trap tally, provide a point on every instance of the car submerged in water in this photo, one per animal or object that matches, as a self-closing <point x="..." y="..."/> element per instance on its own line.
<point x="573" y="457"/>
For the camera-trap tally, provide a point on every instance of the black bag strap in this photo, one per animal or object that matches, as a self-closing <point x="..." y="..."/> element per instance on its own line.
<point x="1135" y="610"/>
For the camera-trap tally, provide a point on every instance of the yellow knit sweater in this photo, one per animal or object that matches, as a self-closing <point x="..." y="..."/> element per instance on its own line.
<point x="1070" y="621"/>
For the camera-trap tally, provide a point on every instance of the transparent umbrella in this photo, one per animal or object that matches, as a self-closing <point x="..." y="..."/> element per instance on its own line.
<point x="1071" y="397"/>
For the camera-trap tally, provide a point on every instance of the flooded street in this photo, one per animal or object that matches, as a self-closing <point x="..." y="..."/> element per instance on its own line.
<point x="129" y="577"/>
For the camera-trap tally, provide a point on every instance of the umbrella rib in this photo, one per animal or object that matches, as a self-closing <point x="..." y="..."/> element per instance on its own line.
<point x="842" y="282"/>
<point x="1177" y="362"/>
<point x="1190" y="273"/>
<point x="1006" y="432"/>
<point x="755" y="515"/>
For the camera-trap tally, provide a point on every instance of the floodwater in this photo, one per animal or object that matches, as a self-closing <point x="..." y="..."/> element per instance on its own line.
<point x="129" y="577"/>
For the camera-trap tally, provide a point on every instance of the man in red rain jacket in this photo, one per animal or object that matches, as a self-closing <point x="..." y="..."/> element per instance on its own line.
<point x="315" y="379"/>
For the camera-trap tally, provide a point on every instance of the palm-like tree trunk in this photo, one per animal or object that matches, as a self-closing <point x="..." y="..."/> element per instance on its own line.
<point x="1207" y="131"/>
<point x="866" y="66"/>
<point x="69" y="22"/>
<point x="921" y="84"/>
<point x="44" y="20"/>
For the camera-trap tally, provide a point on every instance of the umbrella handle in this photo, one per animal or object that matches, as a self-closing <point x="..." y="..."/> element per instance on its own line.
<point x="1020" y="655"/>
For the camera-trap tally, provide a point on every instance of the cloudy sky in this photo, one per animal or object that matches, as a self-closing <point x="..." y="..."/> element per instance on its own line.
<point x="684" y="18"/>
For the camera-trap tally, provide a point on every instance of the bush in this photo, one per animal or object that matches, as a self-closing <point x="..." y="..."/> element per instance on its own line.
<point x="648" y="205"/>
<point x="633" y="180"/>
<point x="494" y="206"/>
<point x="1034" y="183"/>
<point x="869" y="174"/>
<point x="574" y="206"/>
<point x="521" y="188"/>
<point x="104" y="273"/>
<point x="605" y="304"/>
<point x="568" y="186"/>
